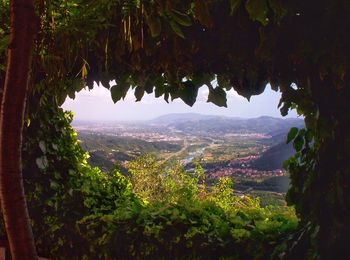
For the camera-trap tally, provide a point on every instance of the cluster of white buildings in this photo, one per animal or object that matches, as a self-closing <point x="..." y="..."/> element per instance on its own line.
<point x="241" y="168"/>
<point x="248" y="173"/>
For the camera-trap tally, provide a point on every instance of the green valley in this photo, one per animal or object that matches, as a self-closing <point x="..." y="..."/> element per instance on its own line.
<point x="249" y="151"/>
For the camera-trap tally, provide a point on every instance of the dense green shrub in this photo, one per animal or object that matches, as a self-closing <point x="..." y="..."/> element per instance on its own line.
<point x="184" y="220"/>
<point x="154" y="181"/>
<point x="157" y="211"/>
<point x="190" y="229"/>
<point x="53" y="169"/>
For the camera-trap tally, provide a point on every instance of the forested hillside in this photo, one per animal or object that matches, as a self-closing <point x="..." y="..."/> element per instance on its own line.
<point x="157" y="209"/>
<point x="274" y="157"/>
<point x="114" y="145"/>
<point x="107" y="151"/>
<point x="223" y="125"/>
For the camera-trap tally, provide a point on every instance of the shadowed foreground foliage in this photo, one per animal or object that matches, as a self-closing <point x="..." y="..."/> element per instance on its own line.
<point x="80" y="211"/>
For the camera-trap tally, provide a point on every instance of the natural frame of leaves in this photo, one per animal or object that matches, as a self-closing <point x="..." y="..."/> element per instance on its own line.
<point x="174" y="47"/>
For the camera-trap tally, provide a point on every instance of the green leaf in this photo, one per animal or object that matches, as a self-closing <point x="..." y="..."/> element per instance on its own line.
<point x="298" y="143"/>
<point x="243" y="215"/>
<point x="292" y="134"/>
<point x="55" y="147"/>
<point x="42" y="162"/>
<point x="181" y="18"/>
<point x="224" y="82"/>
<point x="42" y="146"/>
<point x="188" y="93"/>
<point x="149" y="87"/>
<point x="286" y="163"/>
<point x="119" y="91"/>
<point x="176" y="28"/>
<point x="274" y="85"/>
<point x="309" y="135"/>
<point x="105" y="78"/>
<point x="71" y="93"/>
<point x="159" y="91"/>
<point x="201" y="79"/>
<point x="54" y="185"/>
<point x="159" y="87"/>
<point x="154" y="25"/>
<point x="61" y="97"/>
<point x="257" y="10"/>
<point x="285" y="108"/>
<point x="139" y="92"/>
<point x="217" y="96"/>
<point x="77" y="84"/>
<point x="166" y="97"/>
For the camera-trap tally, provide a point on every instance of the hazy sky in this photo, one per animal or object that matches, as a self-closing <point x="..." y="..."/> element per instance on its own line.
<point x="97" y="104"/>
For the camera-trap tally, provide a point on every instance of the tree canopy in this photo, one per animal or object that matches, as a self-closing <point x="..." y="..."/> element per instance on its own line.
<point x="178" y="46"/>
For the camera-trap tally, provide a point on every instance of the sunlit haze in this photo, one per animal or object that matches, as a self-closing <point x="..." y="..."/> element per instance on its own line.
<point x="97" y="104"/>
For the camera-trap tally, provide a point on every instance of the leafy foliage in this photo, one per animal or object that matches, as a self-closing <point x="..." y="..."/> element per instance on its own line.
<point x="54" y="167"/>
<point x="181" y="218"/>
<point x="317" y="166"/>
<point x="79" y="211"/>
<point x="174" y="47"/>
<point x="153" y="181"/>
<point x="184" y="230"/>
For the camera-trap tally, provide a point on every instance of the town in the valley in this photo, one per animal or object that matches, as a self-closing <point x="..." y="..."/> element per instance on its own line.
<point x="250" y="151"/>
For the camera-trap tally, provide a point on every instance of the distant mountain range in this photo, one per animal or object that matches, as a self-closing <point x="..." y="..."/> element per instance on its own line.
<point x="183" y="117"/>
<point x="199" y="123"/>
<point x="277" y="128"/>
